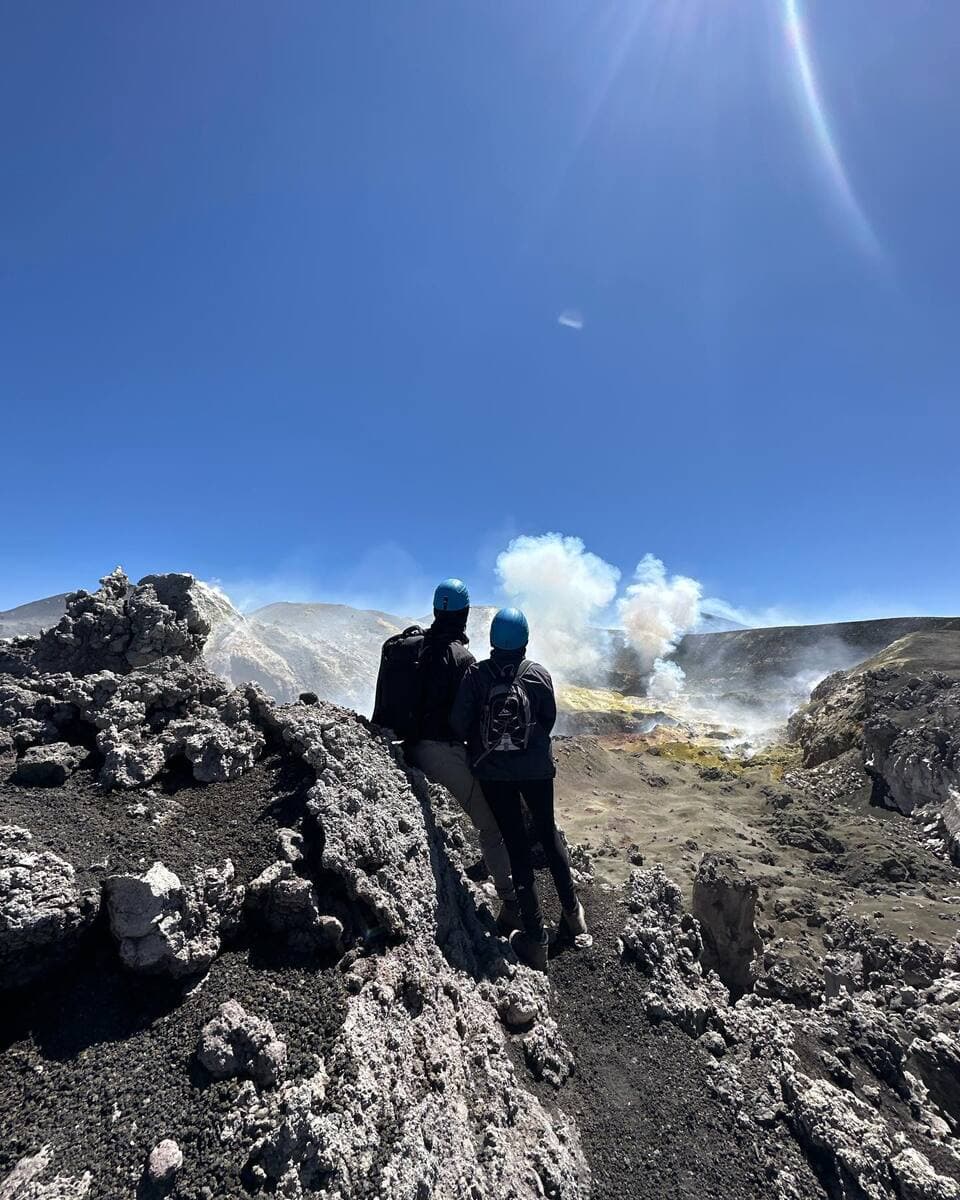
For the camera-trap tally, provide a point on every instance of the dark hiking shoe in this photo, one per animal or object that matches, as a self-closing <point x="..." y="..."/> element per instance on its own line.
<point x="574" y="925"/>
<point x="530" y="951"/>
<point x="508" y="919"/>
<point x="477" y="871"/>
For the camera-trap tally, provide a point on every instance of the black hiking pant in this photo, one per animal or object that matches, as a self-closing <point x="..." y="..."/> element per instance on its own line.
<point x="504" y="800"/>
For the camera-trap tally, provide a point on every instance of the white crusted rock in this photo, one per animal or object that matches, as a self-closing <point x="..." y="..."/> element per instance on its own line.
<point x="237" y="1043"/>
<point x="162" y="926"/>
<point x="665" y="944"/>
<point x="163" y="1163"/>
<point x="917" y="1180"/>
<point x="43" y="913"/>
<point x="25" y="1183"/>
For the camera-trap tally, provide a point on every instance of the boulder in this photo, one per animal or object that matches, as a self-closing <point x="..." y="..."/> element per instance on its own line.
<point x="43" y="914"/>
<point x="163" y="1163"/>
<point x="49" y="765"/>
<point x="162" y="926"/>
<point x="237" y="1043"/>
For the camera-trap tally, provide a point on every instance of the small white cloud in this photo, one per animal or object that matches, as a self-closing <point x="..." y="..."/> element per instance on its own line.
<point x="571" y="319"/>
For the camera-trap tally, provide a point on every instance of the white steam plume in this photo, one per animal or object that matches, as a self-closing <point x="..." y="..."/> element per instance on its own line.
<point x="656" y="612"/>
<point x="561" y="587"/>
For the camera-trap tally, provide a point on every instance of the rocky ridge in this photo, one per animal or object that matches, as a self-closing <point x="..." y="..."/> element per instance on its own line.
<point x="899" y="714"/>
<point x="417" y="1093"/>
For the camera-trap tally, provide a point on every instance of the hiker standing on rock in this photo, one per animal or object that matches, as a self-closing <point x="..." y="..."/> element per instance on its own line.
<point x="420" y="674"/>
<point x="505" y="709"/>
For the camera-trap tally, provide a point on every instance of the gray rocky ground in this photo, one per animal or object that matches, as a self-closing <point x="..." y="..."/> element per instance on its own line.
<point x="240" y="952"/>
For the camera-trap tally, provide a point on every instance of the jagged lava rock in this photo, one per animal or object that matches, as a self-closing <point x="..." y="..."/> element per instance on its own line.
<point x="664" y="941"/>
<point x="119" y="628"/>
<point x="162" y="926"/>
<point x="237" y="1043"/>
<point x="43" y="913"/>
<point x="49" y="765"/>
<point x="417" y="1093"/>
<point x="287" y="905"/>
<point x="24" y="1182"/>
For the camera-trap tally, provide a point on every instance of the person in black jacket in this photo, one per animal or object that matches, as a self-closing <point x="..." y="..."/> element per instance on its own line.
<point x="436" y="749"/>
<point x="505" y="710"/>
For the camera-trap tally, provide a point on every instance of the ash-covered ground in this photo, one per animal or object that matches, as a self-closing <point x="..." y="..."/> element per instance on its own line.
<point x="239" y="953"/>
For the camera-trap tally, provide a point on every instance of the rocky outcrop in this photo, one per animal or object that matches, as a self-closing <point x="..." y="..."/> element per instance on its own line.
<point x="43" y="913"/>
<point x="422" y="1051"/>
<point x="901" y="714"/>
<point x="236" y="1043"/>
<point x="665" y="943"/>
<point x="118" y="628"/>
<point x="118" y="674"/>
<point x="164" y="927"/>
<point x="839" y="1073"/>
<point x="725" y="904"/>
<point x="416" y="1093"/>
<point x="137" y="720"/>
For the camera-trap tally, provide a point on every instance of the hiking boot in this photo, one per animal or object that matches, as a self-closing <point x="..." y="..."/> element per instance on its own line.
<point x="508" y="919"/>
<point x="478" y="871"/>
<point x="575" y="925"/>
<point x="529" y="950"/>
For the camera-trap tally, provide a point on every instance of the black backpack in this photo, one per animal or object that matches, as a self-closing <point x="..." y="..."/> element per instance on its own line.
<point x="506" y="718"/>
<point x="399" y="689"/>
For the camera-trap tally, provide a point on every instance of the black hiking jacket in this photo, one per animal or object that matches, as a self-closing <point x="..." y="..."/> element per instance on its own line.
<point x="508" y="766"/>
<point x="443" y="662"/>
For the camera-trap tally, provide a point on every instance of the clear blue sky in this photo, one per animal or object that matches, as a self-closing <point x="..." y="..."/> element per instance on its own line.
<point x="280" y="286"/>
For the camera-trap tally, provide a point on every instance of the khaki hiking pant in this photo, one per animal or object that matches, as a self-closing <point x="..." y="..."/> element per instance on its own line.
<point x="446" y="763"/>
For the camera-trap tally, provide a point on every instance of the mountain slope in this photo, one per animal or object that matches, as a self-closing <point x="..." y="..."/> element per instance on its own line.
<point x="26" y="620"/>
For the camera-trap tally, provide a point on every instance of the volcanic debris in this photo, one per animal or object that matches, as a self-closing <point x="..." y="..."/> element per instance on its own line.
<point x="416" y="1092"/>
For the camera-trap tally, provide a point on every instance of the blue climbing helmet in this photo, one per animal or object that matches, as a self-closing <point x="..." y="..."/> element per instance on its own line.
<point x="451" y="596"/>
<point x="509" y="630"/>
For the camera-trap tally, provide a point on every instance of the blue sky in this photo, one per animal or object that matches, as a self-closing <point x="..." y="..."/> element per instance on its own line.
<point x="280" y="287"/>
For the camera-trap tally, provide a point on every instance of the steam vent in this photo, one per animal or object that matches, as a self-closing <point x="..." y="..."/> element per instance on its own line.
<point x="240" y="952"/>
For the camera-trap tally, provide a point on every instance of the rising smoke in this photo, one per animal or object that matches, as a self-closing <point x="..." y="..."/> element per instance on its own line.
<point x="562" y="588"/>
<point x="656" y="612"/>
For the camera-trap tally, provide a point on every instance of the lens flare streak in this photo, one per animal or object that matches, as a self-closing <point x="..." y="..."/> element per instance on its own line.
<point x="797" y="35"/>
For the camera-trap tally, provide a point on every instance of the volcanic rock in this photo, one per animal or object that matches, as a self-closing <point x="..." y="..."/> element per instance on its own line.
<point x="237" y="1043"/>
<point x="24" y="1182"/>
<point x="117" y="629"/>
<point x="416" y="1092"/>
<point x="162" y="926"/>
<point x="665" y="943"/>
<point x="902" y="710"/>
<point x="725" y="902"/>
<point x="917" y="1180"/>
<point x="43" y="913"/>
<point x="165" y="1160"/>
<point x="287" y="905"/>
<point x="49" y="765"/>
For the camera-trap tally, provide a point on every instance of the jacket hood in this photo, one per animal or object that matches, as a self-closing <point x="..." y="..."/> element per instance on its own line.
<point x="502" y="657"/>
<point x="449" y="627"/>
